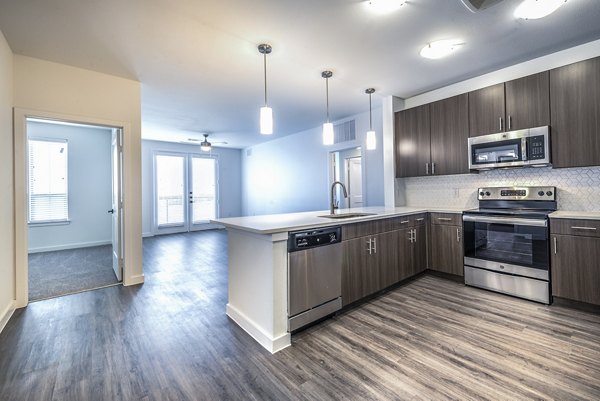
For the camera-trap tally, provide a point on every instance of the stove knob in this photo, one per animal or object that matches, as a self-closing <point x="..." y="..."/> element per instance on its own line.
<point x="549" y="193"/>
<point x="481" y="193"/>
<point x="487" y="193"/>
<point x="541" y="193"/>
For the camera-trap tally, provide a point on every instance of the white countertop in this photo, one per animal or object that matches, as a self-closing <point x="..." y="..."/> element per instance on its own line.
<point x="276" y="223"/>
<point x="565" y="214"/>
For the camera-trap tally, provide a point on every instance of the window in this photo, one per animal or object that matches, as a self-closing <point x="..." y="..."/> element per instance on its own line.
<point x="48" y="187"/>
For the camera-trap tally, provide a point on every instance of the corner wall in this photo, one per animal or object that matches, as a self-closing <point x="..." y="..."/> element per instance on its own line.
<point x="64" y="92"/>
<point x="291" y="174"/>
<point x="7" y="227"/>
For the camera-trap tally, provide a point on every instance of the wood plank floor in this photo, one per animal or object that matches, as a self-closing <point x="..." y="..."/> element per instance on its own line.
<point x="169" y="339"/>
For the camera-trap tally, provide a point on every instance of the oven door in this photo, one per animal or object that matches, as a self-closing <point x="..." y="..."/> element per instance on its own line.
<point x="511" y="245"/>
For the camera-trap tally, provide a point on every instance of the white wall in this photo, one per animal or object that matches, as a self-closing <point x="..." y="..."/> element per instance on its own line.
<point x="47" y="89"/>
<point x="7" y="229"/>
<point x="89" y="181"/>
<point x="291" y="174"/>
<point x="230" y="176"/>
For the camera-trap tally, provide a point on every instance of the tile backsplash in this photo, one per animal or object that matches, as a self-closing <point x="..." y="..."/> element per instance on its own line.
<point x="578" y="189"/>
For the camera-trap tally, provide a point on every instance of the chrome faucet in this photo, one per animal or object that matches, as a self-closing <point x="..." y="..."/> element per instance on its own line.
<point x="333" y="206"/>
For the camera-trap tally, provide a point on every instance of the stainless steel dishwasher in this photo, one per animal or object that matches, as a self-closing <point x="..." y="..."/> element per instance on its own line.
<point x="314" y="275"/>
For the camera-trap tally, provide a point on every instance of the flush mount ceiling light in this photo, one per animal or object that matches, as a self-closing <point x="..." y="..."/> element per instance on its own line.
<point x="534" y="9"/>
<point x="371" y="137"/>
<point x="266" y="113"/>
<point x="205" y="146"/>
<point x="441" y="48"/>
<point x="385" y="6"/>
<point x="328" y="126"/>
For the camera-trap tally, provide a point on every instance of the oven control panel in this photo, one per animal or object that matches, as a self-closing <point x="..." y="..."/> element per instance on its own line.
<point x="517" y="193"/>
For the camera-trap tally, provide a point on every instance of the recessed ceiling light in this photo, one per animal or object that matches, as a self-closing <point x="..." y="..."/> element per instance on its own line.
<point x="534" y="9"/>
<point x="441" y="48"/>
<point x="385" y="6"/>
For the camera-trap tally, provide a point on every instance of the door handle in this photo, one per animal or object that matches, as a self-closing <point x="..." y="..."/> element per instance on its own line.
<point x="111" y="211"/>
<point x="509" y="121"/>
<point x="555" y="248"/>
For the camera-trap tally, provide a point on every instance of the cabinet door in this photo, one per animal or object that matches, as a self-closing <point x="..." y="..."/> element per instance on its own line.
<point x="446" y="249"/>
<point x="386" y="253"/>
<point x="412" y="142"/>
<point x="449" y="135"/>
<point x="528" y="102"/>
<point x="356" y="257"/>
<point x="575" y="269"/>
<point x="575" y="114"/>
<point x="420" y="250"/>
<point x="405" y="254"/>
<point x="486" y="110"/>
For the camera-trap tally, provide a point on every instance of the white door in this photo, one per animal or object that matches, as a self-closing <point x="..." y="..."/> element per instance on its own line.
<point x="185" y="192"/>
<point x="354" y="181"/>
<point x="116" y="156"/>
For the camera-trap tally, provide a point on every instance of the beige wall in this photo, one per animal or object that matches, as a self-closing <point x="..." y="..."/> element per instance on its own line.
<point x="43" y="88"/>
<point x="7" y="255"/>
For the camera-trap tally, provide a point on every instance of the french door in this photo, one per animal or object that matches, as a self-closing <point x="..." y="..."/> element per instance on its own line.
<point x="185" y="192"/>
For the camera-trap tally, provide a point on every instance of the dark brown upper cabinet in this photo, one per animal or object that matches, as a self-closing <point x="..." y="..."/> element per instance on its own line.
<point x="486" y="110"/>
<point x="449" y="135"/>
<point x="575" y="111"/>
<point x="518" y="104"/>
<point x="528" y="102"/>
<point x="412" y="142"/>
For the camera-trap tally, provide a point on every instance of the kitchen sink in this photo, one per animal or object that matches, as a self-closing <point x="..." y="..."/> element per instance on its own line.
<point x="346" y="215"/>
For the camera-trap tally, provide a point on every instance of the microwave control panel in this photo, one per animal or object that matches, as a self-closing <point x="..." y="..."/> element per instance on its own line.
<point x="536" y="147"/>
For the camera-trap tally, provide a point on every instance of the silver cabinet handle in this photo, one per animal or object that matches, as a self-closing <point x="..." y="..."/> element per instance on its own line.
<point x="555" y="248"/>
<point x="369" y="249"/>
<point x="444" y="218"/>
<point x="403" y="221"/>
<point x="500" y="123"/>
<point x="426" y="168"/>
<point x="584" y="228"/>
<point x="509" y="122"/>
<point x="374" y="245"/>
<point x="421" y="219"/>
<point x="432" y="168"/>
<point x="414" y="235"/>
<point x="458" y="235"/>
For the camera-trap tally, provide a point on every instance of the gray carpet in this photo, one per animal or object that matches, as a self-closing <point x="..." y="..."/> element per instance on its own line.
<point x="56" y="273"/>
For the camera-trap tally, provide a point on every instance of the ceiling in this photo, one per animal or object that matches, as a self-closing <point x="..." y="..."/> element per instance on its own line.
<point x="201" y="72"/>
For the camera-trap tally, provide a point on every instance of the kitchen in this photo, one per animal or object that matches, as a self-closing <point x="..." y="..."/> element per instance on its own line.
<point x="444" y="195"/>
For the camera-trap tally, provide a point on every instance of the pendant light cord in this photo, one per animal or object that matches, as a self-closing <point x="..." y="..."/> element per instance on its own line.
<point x="265" y="70"/>
<point x="327" y="96"/>
<point x="370" y="114"/>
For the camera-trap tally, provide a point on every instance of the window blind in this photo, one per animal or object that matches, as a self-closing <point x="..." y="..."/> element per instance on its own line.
<point x="48" y="186"/>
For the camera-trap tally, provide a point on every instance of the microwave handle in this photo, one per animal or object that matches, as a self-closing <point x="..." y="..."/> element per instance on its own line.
<point x="524" y="149"/>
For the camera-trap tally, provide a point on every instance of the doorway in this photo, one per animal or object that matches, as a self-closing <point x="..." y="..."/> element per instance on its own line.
<point x="346" y="166"/>
<point x="73" y="178"/>
<point x="185" y="192"/>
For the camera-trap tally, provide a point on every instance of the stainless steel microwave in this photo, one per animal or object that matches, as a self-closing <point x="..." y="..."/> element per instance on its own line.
<point x="527" y="147"/>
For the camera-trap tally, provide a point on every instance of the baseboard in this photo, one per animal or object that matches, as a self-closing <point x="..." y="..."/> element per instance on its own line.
<point x="133" y="280"/>
<point x="69" y="246"/>
<point x="271" y="344"/>
<point x="6" y="314"/>
<point x="146" y="235"/>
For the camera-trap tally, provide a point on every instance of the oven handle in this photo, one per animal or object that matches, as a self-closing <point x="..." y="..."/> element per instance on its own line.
<point x="506" y="220"/>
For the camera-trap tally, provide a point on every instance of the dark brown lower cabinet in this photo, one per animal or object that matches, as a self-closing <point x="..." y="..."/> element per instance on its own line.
<point x="412" y="251"/>
<point x="369" y="265"/>
<point x="575" y="268"/>
<point x="420" y="250"/>
<point x="446" y="249"/>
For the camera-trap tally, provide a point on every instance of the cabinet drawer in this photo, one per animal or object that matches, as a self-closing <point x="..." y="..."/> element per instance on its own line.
<point x="419" y="219"/>
<point x="586" y="228"/>
<point x="449" y="219"/>
<point x="371" y="227"/>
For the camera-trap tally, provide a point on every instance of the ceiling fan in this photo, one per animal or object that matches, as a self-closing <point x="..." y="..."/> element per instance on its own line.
<point x="205" y="145"/>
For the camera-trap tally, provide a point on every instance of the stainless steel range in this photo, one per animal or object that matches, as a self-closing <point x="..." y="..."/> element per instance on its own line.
<point x="507" y="246"/>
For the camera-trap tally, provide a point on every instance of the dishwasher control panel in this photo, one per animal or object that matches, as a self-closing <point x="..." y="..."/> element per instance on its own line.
<point x="300" y="240"/>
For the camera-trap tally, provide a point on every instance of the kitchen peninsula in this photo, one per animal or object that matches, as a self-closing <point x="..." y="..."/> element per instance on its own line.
<point x="257" y="271"/>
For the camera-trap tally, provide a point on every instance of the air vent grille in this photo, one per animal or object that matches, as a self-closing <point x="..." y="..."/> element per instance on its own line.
<point x="345" y="131"/>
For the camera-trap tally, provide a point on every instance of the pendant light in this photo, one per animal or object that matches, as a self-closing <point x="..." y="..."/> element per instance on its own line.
<point x="205" y="146"/>
<point x="328" y="126"/>
<point x="371" y="137"/>
<point x="266" y="113"/>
